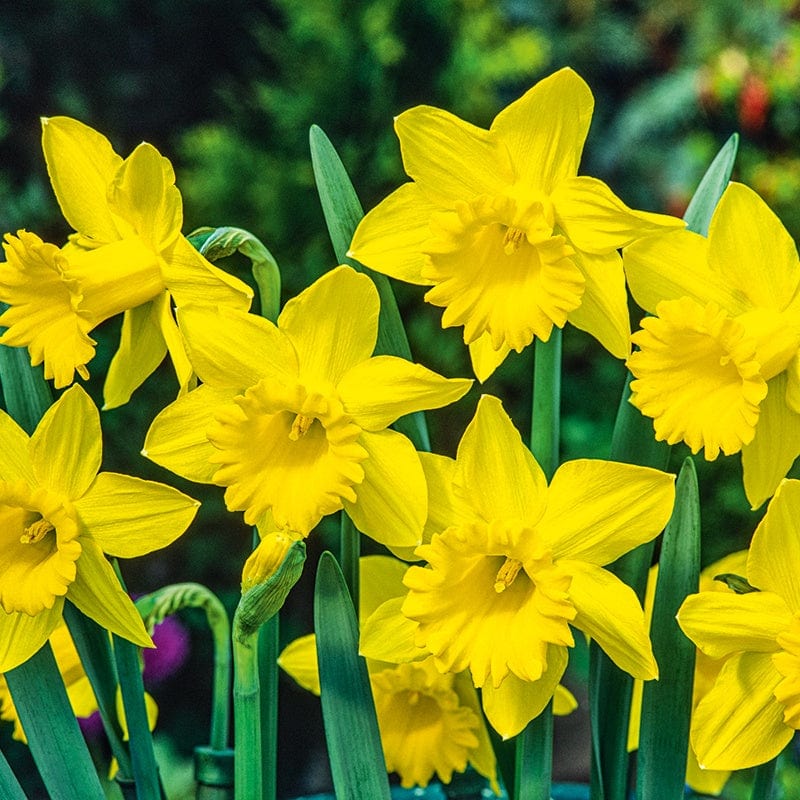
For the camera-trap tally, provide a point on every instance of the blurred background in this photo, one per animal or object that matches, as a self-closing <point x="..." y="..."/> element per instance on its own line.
<point x="228" y="90"/>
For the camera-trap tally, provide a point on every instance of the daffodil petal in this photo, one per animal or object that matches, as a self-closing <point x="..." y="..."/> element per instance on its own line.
<point x="214" y="339"/>
<point x="722" y="623"/>
<point x="512" y="705"/>
<point x="391" y="502"/>
<point x="704" y="781"/>
<point x="564" y="702"/>
<point x="129" y="517"/>
<point x="495" y="470"/>
<point x="739" y="723"/>
<point x="378" y="391"/>
<point x="392" y="236"/>
<point x="177" y="437"/>
<point x="81" y="164"/>
<point x="381" y="578"/>
<point x="672" y="265"/>
<point x="176" y="345"/>
<point x="450" y="159"/>
<point x="16" y="462"/>
<point x="190" y="278"/>
<point x="546" y="128"/>
<point x="603" y="311"/>
<point x="609" y="612"/>
<point x="144" y="195"/>
<point x="388" y="635"/>
<point x="751" y="250"/>
<point x="771" y="453"/>
<point x="66" y="447"/>
<point x="141" y="350"/>
<point x="96" y="592"/>
<point x="299" y="660"/>
<point x="21" y="635"/>
<point x="775" y="549"/>
<point x="599" y="510"/>
<point x="597" y="221"/>
<point x="485" y="359"/>
<point x="445" y="507"/>
<point x="333" y="324"/>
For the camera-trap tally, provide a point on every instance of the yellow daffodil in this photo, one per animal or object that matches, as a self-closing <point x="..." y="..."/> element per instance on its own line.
<point x="59" y="517"/>
<point x="753" y="709"/>
<point x="293" y="418"/>
<point x="718" y="367"/>
<point x="430" y="723"/>
<point x="517" y="563"/>
<point x="128" y="255"/>
<point x="499" y="224"/>
<point x="706" y="670"/>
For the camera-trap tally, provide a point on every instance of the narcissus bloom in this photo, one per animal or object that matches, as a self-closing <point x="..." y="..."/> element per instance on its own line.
<point x="293" y="418"/>
<point x="59" y="517"/>
<point x="753" y="709"/>
<point x="430" y="724"/>
<point x="718" y="367"/>
<point x="517" y="563"/>
<point x="128" y="255"/>
<point x="499" y="224"/>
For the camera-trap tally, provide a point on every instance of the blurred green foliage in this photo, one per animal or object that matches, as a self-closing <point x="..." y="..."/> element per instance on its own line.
<point x="228" y="92"/>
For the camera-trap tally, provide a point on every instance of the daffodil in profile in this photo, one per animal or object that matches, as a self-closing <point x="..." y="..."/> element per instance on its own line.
<point x="127" y="255"/>
<point x="293" y="418"/>
<point x="718" y="365"/>
<point x="60" y="517"/>
<point x="430" y="724"/>
<point x="512" y="241"/>
<point x="753" y="709"/>
<point x="517" y="564"/>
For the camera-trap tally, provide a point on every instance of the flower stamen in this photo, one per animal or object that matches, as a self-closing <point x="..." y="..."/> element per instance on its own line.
<point x="36" y="531"/>
<point x="300" y="426"/>
<point x="512" y="240"/>
<point x="506" y="574"/>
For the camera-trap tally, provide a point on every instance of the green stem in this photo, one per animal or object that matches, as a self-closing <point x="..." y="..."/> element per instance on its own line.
<point x="764" y="781"/>
<point x="9" y="785"/>
<point x="534" y="749"/>
<point x="247" y="718"/>
<point x="268" y="672"/>
<point x="349" y="554"/>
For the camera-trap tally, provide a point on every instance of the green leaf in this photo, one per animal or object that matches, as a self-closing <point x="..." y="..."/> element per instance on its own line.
<point x="667" y="702"/>
<point x="736" y="583"/>
<point x="55" y="740"/>
<point x="26" y="393"/>
<point x="94" y="648"/>
<point x="343" y="212"/>
<point x="701" y="208"/>
<point x="216" y="243"/>
<point x="9" y="785"/>
<point x="351" y="727"/>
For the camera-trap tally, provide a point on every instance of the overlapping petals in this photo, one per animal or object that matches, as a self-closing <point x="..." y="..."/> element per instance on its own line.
<point x="717" y="366"/>
<point x="497" y="222"/>
<point x="60" y="517"/>
<point x="127" y="255"/>
<point x="519" y="563"/>
<point x="753" y="708"/>
<point x="292" y="418"/>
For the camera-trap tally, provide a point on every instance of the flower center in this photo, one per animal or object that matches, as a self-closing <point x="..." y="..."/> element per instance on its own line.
<point x="288" y="451"/>
<point x="506" y="574"/>
<point x="497" y="266"/>
<point x="35" y="567"/>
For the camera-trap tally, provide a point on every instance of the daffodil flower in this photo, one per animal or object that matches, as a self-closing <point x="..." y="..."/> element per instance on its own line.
<point x="499" y="224"/>
<point x="517" y="563"/>
<point x="753" y="709"/>
<point x="430" y="723"/>
<point x="128" y="255"/>
<point x="59" y="517"/>
<point x="718" y="366"/>
<point x="706" y="670"/>
<point x="293" y="418"/>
